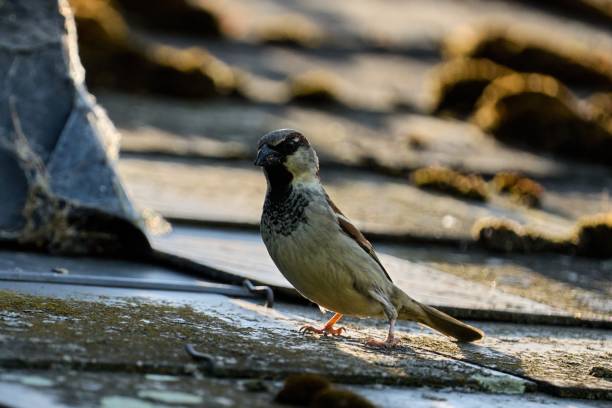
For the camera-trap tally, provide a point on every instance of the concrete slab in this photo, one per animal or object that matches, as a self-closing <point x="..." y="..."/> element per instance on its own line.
<point x="78" y="389"/>
<point x="242" y="339"/>
<point x="405" y="26"/>
<point x="400" y="81"/>
<point x="26" y="388"/>
<point x="563" y="362"/>
<point x="378" y="204"/>
<point x="582" y="287"/>
<point x="394" y="141"/>
<point x="65" y="388"/>
<point x="243" y="254"/>
<point x="40" y="263"/>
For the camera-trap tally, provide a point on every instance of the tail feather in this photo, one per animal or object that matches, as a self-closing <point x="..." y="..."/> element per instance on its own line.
<point x="450" y="326"/>
<point x="439" y="321"/>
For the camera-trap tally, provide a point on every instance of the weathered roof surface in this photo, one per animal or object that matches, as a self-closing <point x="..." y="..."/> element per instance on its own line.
<point x="423" y="280"/>
<point x="231" y="129"/>
<point x="50" y="330"/>
<point x="146" y="333"/>
<point x="380" y="204"/>
<point x="402" y="25"/>
<point x="112" y="333"/>
<point x="155" y="390"/>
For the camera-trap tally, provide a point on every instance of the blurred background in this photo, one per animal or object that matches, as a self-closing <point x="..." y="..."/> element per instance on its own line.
<point x="467" y="129"/>
<point x="470" y="140"/>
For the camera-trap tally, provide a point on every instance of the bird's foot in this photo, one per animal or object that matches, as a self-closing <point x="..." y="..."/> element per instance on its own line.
<point x="324" y="331"/>
<point x="389" y="343"/>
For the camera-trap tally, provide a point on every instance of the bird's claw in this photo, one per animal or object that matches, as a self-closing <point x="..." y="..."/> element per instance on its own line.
<point x="335" y="332"/>
<point x="310" y="329"/>
<point x="388" y="343"/>
<point x="324" y="331"/>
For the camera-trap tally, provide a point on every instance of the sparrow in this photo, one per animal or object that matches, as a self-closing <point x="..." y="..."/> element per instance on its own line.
<point x="323" y="254"/>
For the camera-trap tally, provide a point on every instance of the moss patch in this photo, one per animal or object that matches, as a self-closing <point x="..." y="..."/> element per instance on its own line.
<point x="521" y="189"/>
<point x="181" y="16"/>
<point x="500" y="385"/>
<point x="539" y="112"/>
<point x="599" y="106"/>
<point x="314" y="87"/>
<point x="540" y="357"/>
<point x="457" y="84"/>
<point x="522" y="51"/>
<point x="291" y="29"/>
<point x="593" y="235"/>
<point x="136" y="337"/>
<point x="601" y="372"/>
<point x="115" y="57"/>
<point x="120" y="334"/>
<point x="508" y="236"/>
<point x="448" y="181"/>
<point x="530" y="282"/>
<point x="137" y="333"/>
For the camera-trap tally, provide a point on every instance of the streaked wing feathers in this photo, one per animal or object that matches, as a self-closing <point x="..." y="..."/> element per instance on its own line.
<point x="352" y="231"/>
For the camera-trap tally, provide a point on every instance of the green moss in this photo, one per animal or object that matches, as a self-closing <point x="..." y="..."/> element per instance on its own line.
<point x="537" y="111"/>
<point x="449" y="181"/>
<point x="500" y="384"/>
<point x="182" y="16"/>
<point x="457" y="84"/>
<point x="117" y="58"/>
<point x="601" y="372"/>
<point x="521" y="50"/>
<point x="593" y="235"/>
<point x="291" y="29"/>
<point x="521" y="189"/>
<point x="314" y="87"/>
<point x="508" y="236"/>
<point x="95" y="329"/>
<point x="536" y="285"/>
<point x="136" y="336"/>
<point x="599" y="106"/>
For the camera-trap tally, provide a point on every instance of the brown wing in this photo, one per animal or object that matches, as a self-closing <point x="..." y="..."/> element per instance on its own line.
<point x="353" y="232"/>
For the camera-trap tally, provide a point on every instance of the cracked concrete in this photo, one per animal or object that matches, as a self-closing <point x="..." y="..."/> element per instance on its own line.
<point x="249" y="341"/>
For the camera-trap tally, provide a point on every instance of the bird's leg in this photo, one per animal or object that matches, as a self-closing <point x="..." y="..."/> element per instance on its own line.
<point x="390" y="342"/>
<point x="327" y="329"/>
<point x="391" y="313"/>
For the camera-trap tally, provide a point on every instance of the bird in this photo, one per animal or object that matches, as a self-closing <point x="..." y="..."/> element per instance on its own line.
<point x="324" y="255"/>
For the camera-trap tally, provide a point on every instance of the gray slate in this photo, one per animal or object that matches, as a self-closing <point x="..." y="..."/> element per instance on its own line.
<point x="57" y="146"/>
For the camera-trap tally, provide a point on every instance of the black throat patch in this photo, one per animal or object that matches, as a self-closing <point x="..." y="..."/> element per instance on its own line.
<point x="284" y="207"/>
<point x="279" y="182"/>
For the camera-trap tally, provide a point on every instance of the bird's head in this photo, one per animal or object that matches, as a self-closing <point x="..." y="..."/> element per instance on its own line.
<point x="286" y="156"/>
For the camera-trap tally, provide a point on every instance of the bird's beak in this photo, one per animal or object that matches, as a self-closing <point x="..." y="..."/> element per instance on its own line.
<point x="267" y="157"/>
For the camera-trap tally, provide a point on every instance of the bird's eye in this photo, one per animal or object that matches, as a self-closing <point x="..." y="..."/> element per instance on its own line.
<point x="287" y="146"/>
<point x="290" y="143"/>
